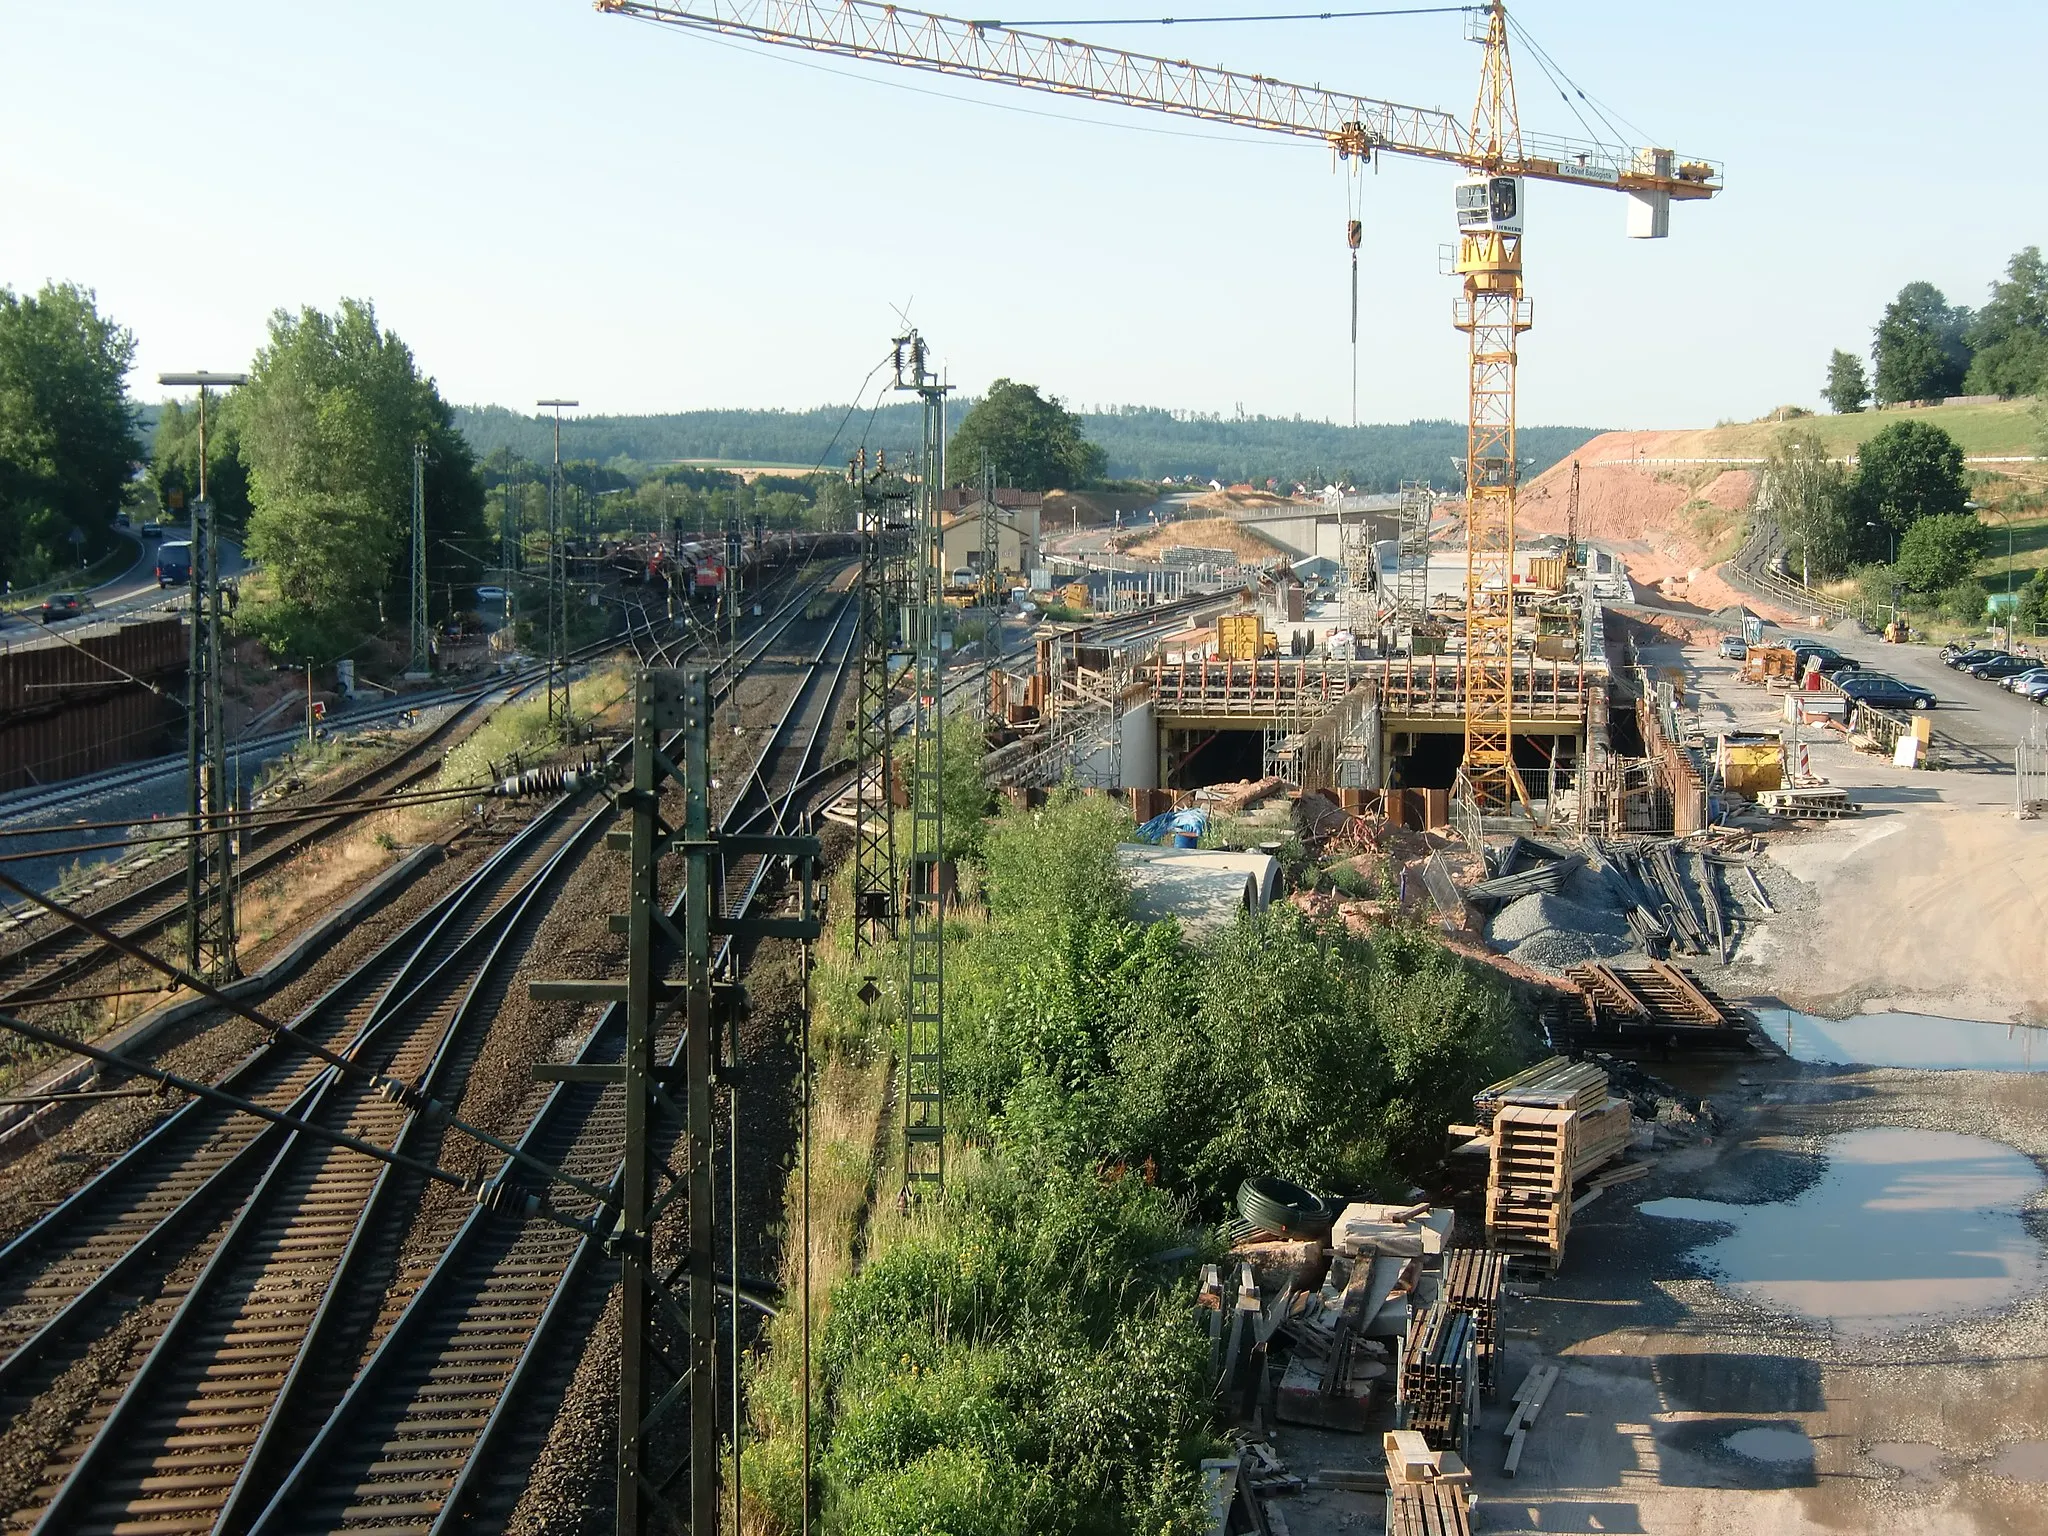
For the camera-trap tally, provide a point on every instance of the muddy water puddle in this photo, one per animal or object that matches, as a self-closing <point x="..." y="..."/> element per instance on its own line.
<point x="1916" y="1040"/>
<point x="1904" y="1227"/>
<point x="2026" y="1462"/>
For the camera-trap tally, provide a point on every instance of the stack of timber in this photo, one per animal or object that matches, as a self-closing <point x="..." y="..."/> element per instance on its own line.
<point x="1439" y="1377"/>
<point x="1472" y="1278"/>
<point x="1659" y="1006"/>
<point x="1547" y="1128"/>
<point x="1429" y="1491"/>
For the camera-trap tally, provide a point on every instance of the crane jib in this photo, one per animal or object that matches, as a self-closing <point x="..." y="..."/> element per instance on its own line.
<point x="894" y="35"/>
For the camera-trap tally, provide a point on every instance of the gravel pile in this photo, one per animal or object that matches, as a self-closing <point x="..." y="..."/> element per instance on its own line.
<point x="1553" y="931"/>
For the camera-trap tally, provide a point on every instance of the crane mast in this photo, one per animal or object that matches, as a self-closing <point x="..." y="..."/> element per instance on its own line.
<point x="1492" y="310"/>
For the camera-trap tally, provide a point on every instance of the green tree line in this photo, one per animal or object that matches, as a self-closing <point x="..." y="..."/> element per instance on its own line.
<point x="1924" y="348"/>
<point x="1136" y="442"/>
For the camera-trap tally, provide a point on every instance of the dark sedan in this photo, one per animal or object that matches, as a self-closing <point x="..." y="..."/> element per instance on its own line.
<point x="2002" y="666"/>
<point x="1831" y="660"/>
<point x="1880" y="690"/>
<point x="62" y="605"/>
<point x="1962" y="661"/>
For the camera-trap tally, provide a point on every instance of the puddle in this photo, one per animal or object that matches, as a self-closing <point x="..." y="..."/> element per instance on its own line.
<point x="1907" y="1040"/>
<point x="1904" y="1228"/>
<point x="1915" y="1458"/>
<point x="2026" y="1462"/>
<point x="1777" y="1446"/>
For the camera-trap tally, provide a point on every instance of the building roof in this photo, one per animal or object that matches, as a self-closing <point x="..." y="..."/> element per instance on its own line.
<point x="955" y="497"/>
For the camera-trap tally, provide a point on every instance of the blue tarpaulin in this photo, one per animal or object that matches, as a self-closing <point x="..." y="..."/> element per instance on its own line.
<point x="1190" y="823"/>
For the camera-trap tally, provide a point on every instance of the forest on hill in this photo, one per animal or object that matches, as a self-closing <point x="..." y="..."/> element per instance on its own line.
<point x="1140" y="442"/>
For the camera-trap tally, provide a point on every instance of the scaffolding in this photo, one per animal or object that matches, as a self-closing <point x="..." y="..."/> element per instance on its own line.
<point x="1411" y="572"/>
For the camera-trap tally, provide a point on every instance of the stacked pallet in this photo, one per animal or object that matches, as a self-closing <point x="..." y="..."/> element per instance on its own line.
<point x="1549" y="1126"/>
<point x="1472" y="1278"/>
<point x="1439" y="1380"/>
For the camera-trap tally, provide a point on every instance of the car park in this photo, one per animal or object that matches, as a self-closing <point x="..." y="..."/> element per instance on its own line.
<point x="2017" y="683"/>
<point x="2001" y="667"/>
<point x="59" y="606"/>
<point x="1733" y="648"/>
<point x="1881" y="690"/>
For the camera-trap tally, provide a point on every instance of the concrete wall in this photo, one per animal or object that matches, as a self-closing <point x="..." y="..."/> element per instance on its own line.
<point x="1138" y="749"/>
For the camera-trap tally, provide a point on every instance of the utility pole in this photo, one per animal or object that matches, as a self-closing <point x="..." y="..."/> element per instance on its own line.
<point x="991" y="582"/>
<point x="420" y="666"/>
<point x="558" y="586"/>
<point x="209" y="874"/>
<point x="882" y="511"/>
<point x="924" y="1085"/>
<point x="659" y="1371"/>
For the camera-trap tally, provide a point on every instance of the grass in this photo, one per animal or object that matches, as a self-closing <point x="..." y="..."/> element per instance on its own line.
<point x="1999" y="429"/>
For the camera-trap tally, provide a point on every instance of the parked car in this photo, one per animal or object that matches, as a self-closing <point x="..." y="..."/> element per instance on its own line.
<point x="1880" y="690"/>
<point x="1733" y="648"/>
<point x="1831" y="660"/>
<point x="2017" y="683"/>
<point x="2000" y="667"/>
<point x="152" y="530"/>
<point x="62" y="605"/>
<point x="1962" y="661"/>
<point x="2037" y="689"/>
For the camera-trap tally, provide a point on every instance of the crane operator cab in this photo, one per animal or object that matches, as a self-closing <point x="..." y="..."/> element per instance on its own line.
<point x="1490" y="204"/>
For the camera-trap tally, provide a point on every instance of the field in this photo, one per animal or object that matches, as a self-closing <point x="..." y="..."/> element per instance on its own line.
<point x="1998" y="429"/>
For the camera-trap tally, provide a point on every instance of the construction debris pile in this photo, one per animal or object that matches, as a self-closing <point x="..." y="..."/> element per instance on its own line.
<point x="1347" y="1321"/>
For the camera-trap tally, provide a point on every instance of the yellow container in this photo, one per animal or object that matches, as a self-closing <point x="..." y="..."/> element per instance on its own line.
<point x="1239" y="637"/>
<point x="1749" y="768"/>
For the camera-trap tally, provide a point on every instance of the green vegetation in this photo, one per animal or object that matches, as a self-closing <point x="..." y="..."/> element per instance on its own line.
<point x="1908" y="471"/>
<point x="1925" y="348"/>
<point x="1848" y="388"/>
<point x="1939" y="552"/>
<point x="327" y="423"/>
<point x="67" y="440"/>
<point x="1029" y="440"/>
<point x="1806" y="490"/>
<point x="1019" y="1357"/>
<point x="1138" y="442"/>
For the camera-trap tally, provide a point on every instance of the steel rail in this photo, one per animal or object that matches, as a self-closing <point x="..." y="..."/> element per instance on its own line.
<point x="181" y="1435"/>
<point x="401" y="1443"/>
<point x="241" y="1169"/>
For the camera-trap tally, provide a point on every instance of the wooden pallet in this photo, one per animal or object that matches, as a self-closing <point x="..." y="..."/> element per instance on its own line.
<point x="1429" y="1509"/>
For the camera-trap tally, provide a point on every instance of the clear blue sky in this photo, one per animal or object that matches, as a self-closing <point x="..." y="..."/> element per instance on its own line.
<point x="544" y="200"/>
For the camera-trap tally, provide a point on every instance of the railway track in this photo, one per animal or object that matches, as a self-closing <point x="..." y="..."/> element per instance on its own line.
<point x="245" y="1257"/>
<point x="415" y="1443"/>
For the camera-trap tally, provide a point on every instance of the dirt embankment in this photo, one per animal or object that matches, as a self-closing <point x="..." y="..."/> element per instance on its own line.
<point x="1202" y="533"/>
<point x="1672" y="522"/>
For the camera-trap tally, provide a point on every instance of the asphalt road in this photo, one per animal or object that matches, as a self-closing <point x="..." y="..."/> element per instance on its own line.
<point x="135" y="590"/>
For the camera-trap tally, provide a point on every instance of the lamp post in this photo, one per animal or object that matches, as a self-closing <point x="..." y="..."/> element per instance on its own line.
<point x="209" y="913"/>
<point x="2005" y="515"/>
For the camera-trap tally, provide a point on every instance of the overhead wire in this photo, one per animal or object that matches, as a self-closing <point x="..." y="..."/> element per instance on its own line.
<point x="1193" y="21"/>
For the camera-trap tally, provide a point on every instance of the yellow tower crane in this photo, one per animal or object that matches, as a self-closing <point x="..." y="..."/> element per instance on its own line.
<point x="1492" y="310"/>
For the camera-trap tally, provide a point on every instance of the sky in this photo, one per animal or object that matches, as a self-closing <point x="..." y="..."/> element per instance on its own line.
<point x="546" y="201"/>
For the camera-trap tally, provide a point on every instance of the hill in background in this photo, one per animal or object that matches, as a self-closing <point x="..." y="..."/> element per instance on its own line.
<point x="1142" y="442"/>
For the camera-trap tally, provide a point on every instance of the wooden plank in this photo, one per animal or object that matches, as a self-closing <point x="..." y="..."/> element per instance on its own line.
<point x="1516" y="1441"/>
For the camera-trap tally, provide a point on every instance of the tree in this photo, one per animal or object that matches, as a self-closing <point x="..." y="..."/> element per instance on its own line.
<point x="174" y="460"/>
<point x="1806" y="493"/>
<point x="1921" y="347"/>
<point x="2010" y="334"/>
<point x="328" y="420"/>
<point x="1033" y="441"/>
<point x="1848" y="389"/>
<point x="1938" y="552"/>
<point x="1910" y="470"/>
<point x="67" y="434"/>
